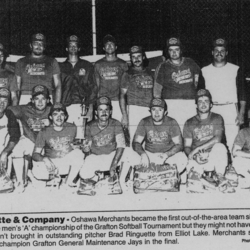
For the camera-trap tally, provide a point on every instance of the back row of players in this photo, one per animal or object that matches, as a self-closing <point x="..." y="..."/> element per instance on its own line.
<point x="129" y="95"/>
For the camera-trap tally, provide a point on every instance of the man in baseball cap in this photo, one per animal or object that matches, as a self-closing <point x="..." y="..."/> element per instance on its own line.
<point x="226" y="83"/>
<point x="79" y="89"/>
<point x="59" y="157"/>
<point x="38" y="68"/>
<point x="177" y="81"/>
<point x="136" y="90"/>
<point x="33" y="117"/>
<point x="105" y="141"/>
<point x="204" y="138"/>
<point x="108" y="73"/>
<point x="162" y="136"/>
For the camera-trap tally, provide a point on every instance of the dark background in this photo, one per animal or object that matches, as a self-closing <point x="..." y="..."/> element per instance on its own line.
<point x="142" y="22"/>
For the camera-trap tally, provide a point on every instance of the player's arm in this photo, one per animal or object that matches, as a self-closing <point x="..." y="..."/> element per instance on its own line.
<point x="187" y="146"/>
<point x="120" y="141"/>
<point x="58" y="88"/>
<point x="19" y="83"/>
<point x="178" y="146"/>
<point x="123" y="106"/>
<point x="241" y="89"/>
<point x="238" y="152"/>
<point x="96" y="77"/>
<point x="14" y="136"/>
<point x="14" y="98"/>
<point x="157" y="86"/>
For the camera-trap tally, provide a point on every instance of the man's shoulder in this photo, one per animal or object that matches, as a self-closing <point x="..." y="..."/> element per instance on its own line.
<point x="216" y="116"/>
<point x="101" y="61"/>
<point x="169" y="119"/>
<point x="85" y="62"/>
<point x="192" y="120"/>
<point x="114" y="122"/>
<point x="24" y="59"/>
<point x="232" y="66"/>
<point x="205" y="68"/>
<point x="69" y="125"/>
<point x="189" y="60"/>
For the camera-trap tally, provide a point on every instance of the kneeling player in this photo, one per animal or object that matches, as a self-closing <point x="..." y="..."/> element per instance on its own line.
<point x="203" y="136"/>
<point x="59" y="158"/>
<point x="162" y="136"/>
<point x="106" y="142"/>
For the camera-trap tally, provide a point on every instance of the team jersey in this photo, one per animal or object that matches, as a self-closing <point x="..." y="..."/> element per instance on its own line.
<point x="158" y="138"/>
<point x="178" y="81"/>
<point x="243" y="140"/>
<point x="8" y="126"/>
<point x="105" y="141"/>
<point x="77" y="82"/>
<point x="36" y="71"/>
<point x="8" y="80"/>
<point x="32" y="121"/>
<point x="56" y="144"/>
<point x="224" y="83"/>
<point x="108" y="76"/>
<point x="139" y="85"/>
<point x="201" y="131"/>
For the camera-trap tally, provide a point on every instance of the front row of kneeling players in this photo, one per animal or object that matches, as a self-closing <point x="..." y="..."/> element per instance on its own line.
<point x="49" y="139"/>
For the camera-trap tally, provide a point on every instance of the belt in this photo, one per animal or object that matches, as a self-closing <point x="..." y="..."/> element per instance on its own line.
<point x="222" y="104"/>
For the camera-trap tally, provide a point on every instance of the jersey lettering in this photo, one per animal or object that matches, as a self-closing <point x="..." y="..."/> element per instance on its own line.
<point x="3" y="82"/>
<point x="203" y="133"/>
<point x="103" y="140"/>
<point x="35" y="69"/>
<point x="157" y="137"/>
<point x="144" y="82"/>
<point x="182" y="76"/>
<point x="109" y="73"/>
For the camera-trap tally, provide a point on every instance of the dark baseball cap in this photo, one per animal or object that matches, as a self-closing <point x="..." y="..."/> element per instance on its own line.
<point x="73" y="38"/>
<point x="4" y="93"/>
<point x="203" y="92"/>
<point x="58" y="107"/>
<point x="40" y="90"/>
<point x="173" y="41"/>
<point x="157" y="102"/>
<point x="221" y="42"/>
<point x="38" y="37"/>
<point x="135" y="49"/>
<point x="109" y="38"/>
<point x="103" y="100"/>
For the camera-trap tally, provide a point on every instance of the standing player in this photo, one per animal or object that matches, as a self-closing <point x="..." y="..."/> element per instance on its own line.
<point x="9" y="128"/>
<point x="108" y="72"/>
<point x="204" y="138"/>
<point x="226" y="83"/>
<point x="77" y="84"/>
<point x="176" y="80"/>
<point x="38" y="69"/>
<point x="106" y="141"/>
<point x="59" y="155"/>
<point x="33" y="117"/>
<point x="8" y="79"/>
<point x="136" y="90"/>
<point x="162" y="136"/>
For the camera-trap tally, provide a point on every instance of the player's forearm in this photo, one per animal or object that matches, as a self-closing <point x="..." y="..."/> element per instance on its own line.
<point x="242" y="107"/>
<point x="8" y="149"/>
<point x="175" y="149"/>
<point x="209" y="144"/>
<point x="123" y="104"/>
<point x="157" y="90"/>
<point x="137" y="147"/>
<point x="240" y="153"/>
<point x="58" y="93"/>
<point x="117" y="157"/>
<point x="187" y="150"/>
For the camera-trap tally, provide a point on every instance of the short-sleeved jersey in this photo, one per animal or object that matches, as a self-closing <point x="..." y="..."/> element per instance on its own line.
<point x="32" y="121"/>
<point x="158" y="138"/>
<point x="201" y="131"/>
<point x="36" y="71"/>
<point x="243" y="139"/>
<point x="221" y="82"/>
<point x="104" y="141"/>
<point x="178" y="81"/>
<point x="56" y="144"/>
<point x="9" y="125"/>
<point x="108" y="76"/>
<point x="8" y="80"/>
<point x="77" y="82"/>
<point x="139" y="85"/>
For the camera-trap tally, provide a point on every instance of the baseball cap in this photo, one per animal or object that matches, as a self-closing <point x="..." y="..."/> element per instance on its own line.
<point x="135" y="49"/>
<point x="40" y="89"/>
<point x="173" y="41"/>
<point x="203" y="92"/>
<point x="73" y="38"/>
<point x="38" y="37"/>
<point x="157" y="102"/>
<point x="103" y="100"/>
<point x="220" y="42"/>
<point x="58" y="107"/>
<point x="109" y="38"/>
<point x="4" y="93"/>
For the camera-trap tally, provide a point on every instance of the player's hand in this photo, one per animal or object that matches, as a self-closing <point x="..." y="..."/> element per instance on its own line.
<point x="144" y="160"/>
<point x="124" y="120"/>
<point x="112" y="174"/>
<point x="3" y="159"/>
<point x="163" y="156"/>
<point x="239" y="119"/>
<point x="49" y="164"/>
<point x="192" y="154"/>
<point x="86" y="146"/>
